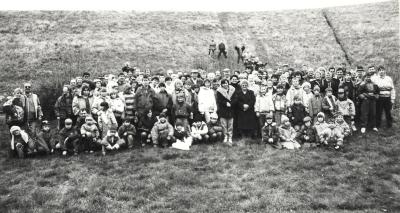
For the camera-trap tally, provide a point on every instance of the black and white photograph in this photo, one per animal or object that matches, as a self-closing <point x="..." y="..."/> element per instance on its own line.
<point x="199" y="106"/>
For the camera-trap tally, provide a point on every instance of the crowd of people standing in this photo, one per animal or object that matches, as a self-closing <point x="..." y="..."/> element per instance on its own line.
<point x="280" y="106"/>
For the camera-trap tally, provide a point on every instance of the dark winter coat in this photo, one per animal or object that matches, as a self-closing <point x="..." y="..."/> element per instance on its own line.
<point x="223" y="97"/>
<point x="246" y="119"/>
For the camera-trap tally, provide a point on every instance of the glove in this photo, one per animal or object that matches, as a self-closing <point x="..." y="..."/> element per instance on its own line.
<point x="116" y="146"/>
<point x="271" y="140"/>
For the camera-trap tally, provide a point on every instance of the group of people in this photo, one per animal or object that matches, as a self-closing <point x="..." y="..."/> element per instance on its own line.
<point x="284" y="108"/>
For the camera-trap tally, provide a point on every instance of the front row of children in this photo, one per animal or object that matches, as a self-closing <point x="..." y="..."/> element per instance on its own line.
<point x="70" y="140"/>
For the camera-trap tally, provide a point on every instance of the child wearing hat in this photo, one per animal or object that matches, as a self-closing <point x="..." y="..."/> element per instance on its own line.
<point x="127" y="132"/>
<point x="215" y="130"/>
<point x="46" y="138"/>
<point x="270" y="132"/>
<point x="288" y="134"/>
<point x="145" y="126"/>
<point x="111" y="141"/>
<point x="307" y="134"/>
<point x="90" y="134"/>
<point x="68" y="138"/>
<point x="21" y="143"/>
<point x="162" y="132"/>
<point x="182" y="137"/>
<point x="332" y="136"/>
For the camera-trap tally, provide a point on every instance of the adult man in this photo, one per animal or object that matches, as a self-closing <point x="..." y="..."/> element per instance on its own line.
<point x="386" y="98"/>
<point x="368" y="94"/>
<point x="144" y="97"/>
<point x="32" y="109"/>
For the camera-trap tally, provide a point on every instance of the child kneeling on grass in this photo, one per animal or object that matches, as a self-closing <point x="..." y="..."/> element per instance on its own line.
<point x="182" y="136"/>
<point x="127" y="132"/>
<point x="199" y="131"/>
<point x="288" y="134"/>
<point x="21" y="144"/>
<point x="46" y="138"/>
<point x="90" y="134"/>
<point x="215" y="131"/>
<point x="162" y="132"/>
<point x="308" y="134"/>
<point x="332" y="136"/>
<point x="270" y="133"/>
<point x="145" y="126"/>
<point x="111" y="141"/>
<point x="68" y="138"/>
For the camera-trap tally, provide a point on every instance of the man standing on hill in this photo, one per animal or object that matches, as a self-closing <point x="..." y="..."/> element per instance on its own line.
<point x="240" y="49"/>
<point x="33" y="111"/>
<point x="222" y="50"/>
<point x="212" y="48"/>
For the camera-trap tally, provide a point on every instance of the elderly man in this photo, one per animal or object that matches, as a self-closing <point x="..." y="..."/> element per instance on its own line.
<point x="32" y="109"/>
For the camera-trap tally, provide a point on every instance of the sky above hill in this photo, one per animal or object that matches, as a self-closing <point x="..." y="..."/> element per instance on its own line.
<point x="177" y="5"/>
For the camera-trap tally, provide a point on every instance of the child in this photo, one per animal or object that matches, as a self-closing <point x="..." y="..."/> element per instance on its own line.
<point x="199" y="131"/>
<point x="117" y="106"/>
<point x="106" y="119"/>
<point x="288" y="134"/>
<point x="307" y="95"/>
<point x="315" y="104"/>
<point x="264" y="105"/>
<point x="183" y="138"/>
<point x="320" y="125"/>
<point x="307" y="134"/>
<point x="21" y="143"/>
<point x="270" y="133"/>
<point x="280" y="105"/>
<point x="162" y="132"/>
<point x="46" y="139"/>
<point x="215" y="131"/>
<point x="81" y="118"/>
<point x="342" y="127"/>
<point x="68" y="138"/>
<point x="181" y="111"/>
<point x="297" y="112"/>
<point x="111" y="141"/>
<point x="145" y="126"/>
<point x="346" y="108"/>
<point x="329" y="106"/>
<point x="90" y="134"/>
<point x="332" y="136"/>
<point x="127" y="132"/>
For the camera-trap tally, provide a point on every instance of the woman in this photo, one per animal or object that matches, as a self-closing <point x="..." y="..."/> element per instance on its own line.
<point x="246" y="115"/>
<point x="225" y="103"/>
<point x="207" y="103"/>
<point x="83" y="101"/>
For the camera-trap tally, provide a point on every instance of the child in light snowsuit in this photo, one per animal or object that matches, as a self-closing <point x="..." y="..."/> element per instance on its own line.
<point x="127" y="132"/>
<point x="320" y="125"/>
<point x="215" y="130"/>
<point x="332" y="136"/>
<point x="308" y="134"/>
<point x="111" y="141"/>
<point x="21" y="144"/>
<point x="162" y="132"/>
<point x="346" y="107"/>
<point x="199" y="131"/>
<point x="270" y="133"/>
<point x="106" y="119"/>
<point x="342" y="127"/>
<point x="288" y="134"/>
<point x="90" y="134"/>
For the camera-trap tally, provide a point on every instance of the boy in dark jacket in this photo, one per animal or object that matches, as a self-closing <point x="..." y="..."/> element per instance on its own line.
<point x="111" y="141"/>
<point x="46" y="138"/>
<point x="368" y="93"/>
<point x="270" y="133"/>
<point x="182" y="111"/>
<point x="215" y="131"/>
<point x="68" y="138"/>
<point x="308" y="134"/>
<point x="297" y="113"/>
<point x="145" y="126"/>
<point x="127" y="132"/>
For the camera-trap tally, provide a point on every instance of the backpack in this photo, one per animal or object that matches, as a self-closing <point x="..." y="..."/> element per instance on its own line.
<point x="221" y="46"/>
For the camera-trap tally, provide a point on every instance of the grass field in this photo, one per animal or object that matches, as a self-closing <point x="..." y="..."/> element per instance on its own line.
<point x="364" y="177"/>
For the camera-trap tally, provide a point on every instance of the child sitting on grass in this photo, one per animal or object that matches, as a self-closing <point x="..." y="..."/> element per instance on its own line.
<point x="162" y="132"/>
<point x="270" y="133"/>
<point x="111" y="141"/>
<point x="182" y="137"/>
<point x="127" y="132"/>
<point x="145" y="126"/>
<point x="90" y="134"/>
<point x="334" y="135"/>
<point x="320" y="125"/>
<point x="21" y="144"/>
<point x="288" y="134"/>
<point x="215" y="131"/>
<point x="307" y="134"/>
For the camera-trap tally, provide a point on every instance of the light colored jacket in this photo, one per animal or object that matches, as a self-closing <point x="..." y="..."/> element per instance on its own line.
<point x="207" y="101"/>
<point x="264" y="103"/>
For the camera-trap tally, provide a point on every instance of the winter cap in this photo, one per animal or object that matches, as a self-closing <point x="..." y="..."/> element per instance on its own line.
<point x="213" y="116"/>
<point x="321" y="114"/>
<point x="307" y="119"/>
<point x="68" y="121"/>
<point x="15" y="128"/>
<point x="284" y="118"/>
<point x="306" y="84"/>
<point x="316" y="87"/>
<point x="328" y="89"/>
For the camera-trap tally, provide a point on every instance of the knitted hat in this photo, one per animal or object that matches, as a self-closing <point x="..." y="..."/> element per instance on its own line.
<point x="284" y="118"/>
<point x="316" y="87"/>
<point x="14" y="128"/>
<point x="307" y="119"/>
<point x="321" y="114"/>
<point x="213" y="116"/>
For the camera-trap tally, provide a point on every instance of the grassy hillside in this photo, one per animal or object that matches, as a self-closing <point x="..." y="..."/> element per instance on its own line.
<point x="34" y="45"/>
<point x="365" y="177"/>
